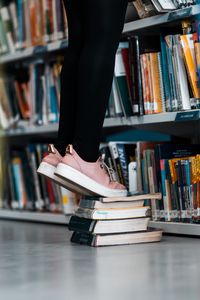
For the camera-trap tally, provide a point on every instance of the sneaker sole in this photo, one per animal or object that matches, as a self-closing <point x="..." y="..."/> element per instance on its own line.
<point x="48" y="170"/>
<point x="81" y="180"/>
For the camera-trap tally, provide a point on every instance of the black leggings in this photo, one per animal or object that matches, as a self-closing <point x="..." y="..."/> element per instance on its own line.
<point x="94" y="28"/>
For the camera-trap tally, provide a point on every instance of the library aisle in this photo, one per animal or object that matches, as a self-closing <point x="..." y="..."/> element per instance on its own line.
<point x="37" y="261"/>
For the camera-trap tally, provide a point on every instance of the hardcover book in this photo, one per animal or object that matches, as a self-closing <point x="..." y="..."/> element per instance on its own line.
<point x="107" y="226"/>
<point x="95" y="240"/>
<point x="114" y="213"/>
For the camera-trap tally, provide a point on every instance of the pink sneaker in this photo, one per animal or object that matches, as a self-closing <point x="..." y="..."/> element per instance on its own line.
<point x="48" y="166"/>
<point x="96" y="178"/>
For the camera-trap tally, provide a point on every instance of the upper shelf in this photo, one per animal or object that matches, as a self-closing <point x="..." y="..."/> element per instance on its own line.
<point x="171" y="117"/>
<point x="130" y="27"/>
<point x="162" y="19"/>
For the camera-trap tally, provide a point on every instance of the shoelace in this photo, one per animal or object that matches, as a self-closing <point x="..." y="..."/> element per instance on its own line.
<point x="108" y="170"/>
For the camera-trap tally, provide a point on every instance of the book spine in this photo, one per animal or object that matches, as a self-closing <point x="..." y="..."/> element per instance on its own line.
<point x="81" y="224"/>
<point x="20" y="10"/>
<point x="4" y="48"/>
<point x="121" y="80"/>
<point x="115" y="157"/>
<point x="118" y="107"/>
<point x="133" y="76"/>
<point x="180" y="190"/>
<point x="83" y="238"/>
<point x="60" y="20"/>
<point x="145" y="83"/>
<point x="189" y="58"/>
<point x="165" y="190"/>
<point x="8" y="28"/>
<point x="123" y="162"/>
<point x="156" y="83"/>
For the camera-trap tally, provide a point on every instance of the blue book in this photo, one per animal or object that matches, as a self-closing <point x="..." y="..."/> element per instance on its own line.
<point x="169" y="52"/>
<point x="21" y="27"/>
<point x="165" y="72"/>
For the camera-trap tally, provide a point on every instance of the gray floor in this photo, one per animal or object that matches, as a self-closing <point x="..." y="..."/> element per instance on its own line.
<point x="39" y="262"/>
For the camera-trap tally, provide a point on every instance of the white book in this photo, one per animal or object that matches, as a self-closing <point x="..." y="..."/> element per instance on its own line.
<point x="5" y="15"/>
<point x="181" y="76"/>
<point x="110" y="214"/>
<point x="164" y="5"/>
<point x="116" y="98"/>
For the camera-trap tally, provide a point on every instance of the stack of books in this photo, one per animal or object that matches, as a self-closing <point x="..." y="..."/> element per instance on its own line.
<point x="101" y="221"/>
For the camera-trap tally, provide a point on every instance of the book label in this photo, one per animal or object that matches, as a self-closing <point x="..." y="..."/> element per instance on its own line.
<point x="188" y="116"/>
<point x="182" y="13"/>
<point x="39" y="49"/>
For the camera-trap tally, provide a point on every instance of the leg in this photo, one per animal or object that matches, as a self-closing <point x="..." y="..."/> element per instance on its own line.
<point x="103" y="22"/>
<point x="69" y="74"/>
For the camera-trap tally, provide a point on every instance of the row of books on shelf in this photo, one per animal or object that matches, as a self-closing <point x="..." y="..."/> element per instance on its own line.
<point x="36" y="100"/>
<point x="145" y="81"/>
<point x="162" y="71"/>
<point x="34" y="22"/>
<point x="143" y="167"/>
<point x="172" y="169"/>
<point x="30" y="23"/>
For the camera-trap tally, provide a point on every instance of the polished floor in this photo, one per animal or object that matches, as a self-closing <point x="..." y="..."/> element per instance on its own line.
<point x="38" y="262"/>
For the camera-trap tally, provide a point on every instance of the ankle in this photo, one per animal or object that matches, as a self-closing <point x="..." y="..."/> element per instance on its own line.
<point x="85" y="156"/>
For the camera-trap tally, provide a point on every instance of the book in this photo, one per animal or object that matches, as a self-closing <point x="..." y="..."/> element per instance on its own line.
<point x="116" y="110"/>
<point x="135" y="197"/>
<point x="4" y="47"/>
<point x="189" y="58"/>
<point x="114" y="213"/>
<point x="96" y="240"/>
<point x="6" y="113"/>
<point x="7" y="25"/>
<point x="144" y="8"/>
<point x="145" y="83"/>
<point x="88" y="203"/>
<point x="107" y="226"/>
<point x="164" y="5"/>
<point x="135" y="74"/>
<point x="156" y="82"/>
<point x="122" y="84"/>
<point x="126" y="152"/>
<point x="183" y="96"/>
<point x="116" y="160"/>
<point x="170" y="65"/>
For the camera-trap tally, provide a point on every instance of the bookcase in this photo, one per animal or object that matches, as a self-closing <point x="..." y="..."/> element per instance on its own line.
<point x="181" y="123"/>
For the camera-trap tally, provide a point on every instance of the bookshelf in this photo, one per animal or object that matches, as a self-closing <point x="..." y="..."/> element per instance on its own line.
<point x="129" y="28"/>
<point x="164" y="122"/>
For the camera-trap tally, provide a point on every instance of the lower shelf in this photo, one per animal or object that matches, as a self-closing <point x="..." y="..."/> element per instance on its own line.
<point x="177" y="228"/>
<point x="34" y="216"/>
<point x="168" y="227"/>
